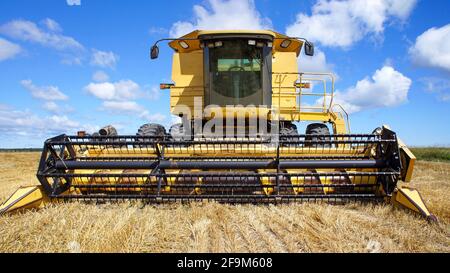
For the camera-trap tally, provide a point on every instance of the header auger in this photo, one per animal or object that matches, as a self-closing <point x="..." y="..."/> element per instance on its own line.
<point x="238" y="94"/>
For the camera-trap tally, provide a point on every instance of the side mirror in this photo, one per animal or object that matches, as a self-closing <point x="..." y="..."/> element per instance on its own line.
<point x="154" y="52"/>
<point x="309" y="48"/>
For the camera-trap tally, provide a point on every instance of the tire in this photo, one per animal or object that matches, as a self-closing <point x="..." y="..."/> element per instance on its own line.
<point x="108" y="131"/>
<point x="153" y="130"/>
<point x="177" y="133"/>
<point x="105" y="133"/>
<point x="315" y="132"/>
<point x="377" y="131"/>
<point x="289" y="132"/>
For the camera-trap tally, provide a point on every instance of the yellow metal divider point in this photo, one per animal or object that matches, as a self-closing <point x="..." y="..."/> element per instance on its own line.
<point x="30" y="197"/>
<point x="410" y="198"/>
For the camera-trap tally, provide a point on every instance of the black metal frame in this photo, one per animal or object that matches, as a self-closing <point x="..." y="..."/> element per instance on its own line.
<point x="222" y="178"/>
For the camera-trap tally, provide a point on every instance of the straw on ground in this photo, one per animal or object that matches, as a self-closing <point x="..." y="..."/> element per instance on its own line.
<point x="211" y="227"/>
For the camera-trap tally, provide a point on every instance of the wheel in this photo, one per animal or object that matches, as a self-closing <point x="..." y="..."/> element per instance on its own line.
<point x="288" y="132"/>
<point x="377" y="131"/>
<point x="177" y="133"/>
<point x="105" y="133"/>
<point x="317" y="132"/>
<point x="108" y="131"/>
<point x="153" y="130"/>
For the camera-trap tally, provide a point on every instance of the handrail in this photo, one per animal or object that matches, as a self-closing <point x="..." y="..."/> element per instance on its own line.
<point x="346" y="115"/>
<point x="307" y="76"/>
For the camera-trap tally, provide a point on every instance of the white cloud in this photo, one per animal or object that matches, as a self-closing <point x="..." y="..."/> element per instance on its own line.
<point x="222" y="14"/>
<point x="100" y="76"/>
<point x="104" y="59"/>
<point x="438" y="86"/>
<point x="104" y="91"/>
<point x="50" y="106"/>
<point x="14" y="121"/>
<point x="342" y="23"/>
<point x="73" y="2"/>
<point x="63" y="122"/>
<point x="52" y="25"/>
<point x="71" y="59"/>
<point x="48" y="93"/>
<point x="152" y="93"/>
<point x="157" y="117"/>
<point x="132" y="108"/>
<point x="316" y="63"/>
<point x="122" y="106"/>
<point x="53" y="107"/>
<point x="157" y="30"/>
<point x="123" y="90"/>
<point x="8" y="50"/>
<point x="24" y="128"/>
<point x="28" y="31"/>
<point x="120" y="98"/>
<point x="386" y="88"/>
<point x="445" y="97"/>
<point x="432" y="48"/>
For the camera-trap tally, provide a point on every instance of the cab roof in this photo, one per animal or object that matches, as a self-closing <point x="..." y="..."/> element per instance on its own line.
<point x="193" y="39"/>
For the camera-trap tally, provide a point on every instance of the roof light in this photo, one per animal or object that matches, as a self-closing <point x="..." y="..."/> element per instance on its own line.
<point x="183" y="44"/>
<point x="259" y="44"/>
<point x="286" y="43"/>
<point x="218" y="44"/>
<point x="252" y="42"/>
<point x="210" y="45"/>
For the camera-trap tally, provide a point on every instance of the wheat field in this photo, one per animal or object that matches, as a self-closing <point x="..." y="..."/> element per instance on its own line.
<point x="211" y="227"/>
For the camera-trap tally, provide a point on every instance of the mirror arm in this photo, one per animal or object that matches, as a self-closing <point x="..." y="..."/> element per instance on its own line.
<point x="174" y="39"/>
<point x="155" y="45"/>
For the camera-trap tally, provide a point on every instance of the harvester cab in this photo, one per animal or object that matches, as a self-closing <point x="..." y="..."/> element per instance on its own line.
<point x="239" y="95"/>
<point x="229" y="76"/>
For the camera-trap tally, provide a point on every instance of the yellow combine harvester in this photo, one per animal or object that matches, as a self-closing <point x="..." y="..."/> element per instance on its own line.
<point x="238" y="94"/>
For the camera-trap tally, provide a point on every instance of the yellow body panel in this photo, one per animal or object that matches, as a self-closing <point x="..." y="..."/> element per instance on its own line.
<point x="408" y="160"/>
<point x="283" y="85"/>
<point x="410" y="198"/>
<point x="187" y="74"/>
<point x="24" y="198"/>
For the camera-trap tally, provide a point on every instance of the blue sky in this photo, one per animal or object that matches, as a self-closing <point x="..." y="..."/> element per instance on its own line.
<point x="67" y="65"/>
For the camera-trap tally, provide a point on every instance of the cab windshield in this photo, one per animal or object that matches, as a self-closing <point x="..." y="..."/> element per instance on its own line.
<point x="235" y="73"/>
